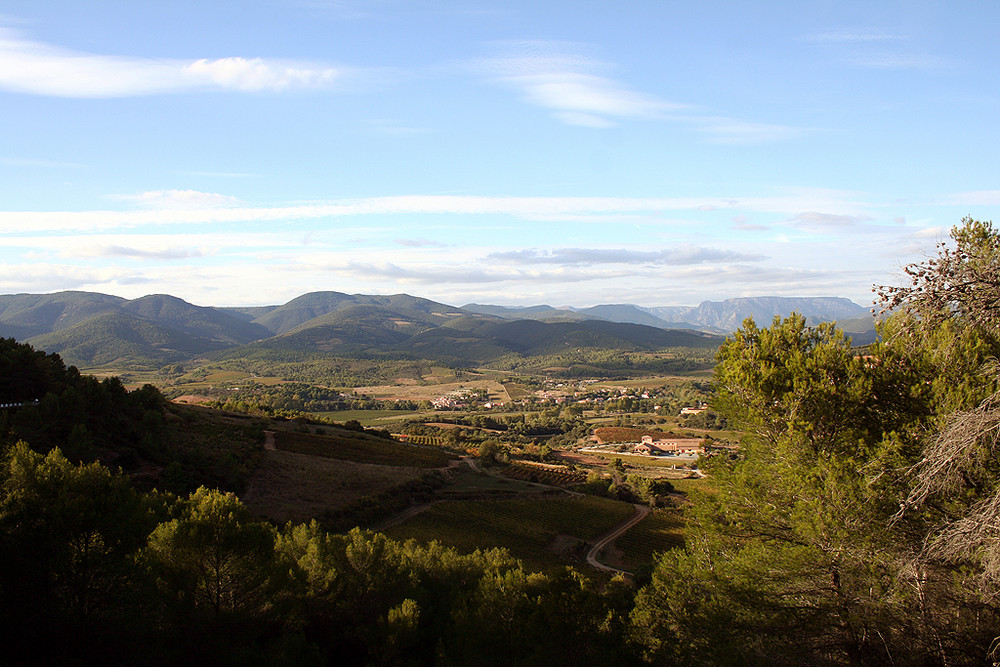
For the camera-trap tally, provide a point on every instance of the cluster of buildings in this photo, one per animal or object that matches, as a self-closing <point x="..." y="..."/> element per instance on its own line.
<point x="662" y="446"/>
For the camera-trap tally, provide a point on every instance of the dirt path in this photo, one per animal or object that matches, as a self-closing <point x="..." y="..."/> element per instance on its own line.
<point x="640" y="513"/>
<point x="411" y="512"/>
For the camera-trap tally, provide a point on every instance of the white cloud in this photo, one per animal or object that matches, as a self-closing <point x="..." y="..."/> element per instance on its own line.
<point x="178" y="199"/>
<point x="733" y="131"/>
<point x="875" y="48"/>
<point x="419" y="243"/>
<point x="41" y="69"/>
<point x="975" y="198"/>
<point x="529" y="208"/>
<point x="889" y="60"/>
<point x="138" y="253"/>
<point x="859" y="35"/>
<point x="47" y="277"/>
<point x="683" y="254"/>
<point x="825" y="222"/>
<point x="550" y="76"/>
<point x="577" y="91"/>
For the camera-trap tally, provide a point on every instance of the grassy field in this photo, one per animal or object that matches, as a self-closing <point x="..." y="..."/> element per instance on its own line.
<point x="362" y="449"/>
<point x="543" y="532"/>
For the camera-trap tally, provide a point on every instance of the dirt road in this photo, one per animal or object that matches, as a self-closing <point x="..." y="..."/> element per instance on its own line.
<point x="640" y="513"/>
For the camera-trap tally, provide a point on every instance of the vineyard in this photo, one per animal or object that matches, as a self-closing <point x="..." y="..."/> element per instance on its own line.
<point x="427" y="440"/>
<point x="544" y="475"/>
<point x="659" y="531"/>
<point x="527" y="527"/>
<point x="362" y="449"/>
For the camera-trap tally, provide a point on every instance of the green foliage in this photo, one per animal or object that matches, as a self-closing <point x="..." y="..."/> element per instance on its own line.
<point x="69" y="536"/>
<point x="93" y="571"/>
<point x="780" y="558"/>
<point x="213" y="557"/>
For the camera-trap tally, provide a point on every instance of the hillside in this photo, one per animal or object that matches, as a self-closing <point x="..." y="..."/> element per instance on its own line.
<point x="123" y="338"/>
<point x="26" y="315"/>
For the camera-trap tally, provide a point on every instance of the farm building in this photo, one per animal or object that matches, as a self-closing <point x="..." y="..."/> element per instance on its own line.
<point x="651" y="447"/>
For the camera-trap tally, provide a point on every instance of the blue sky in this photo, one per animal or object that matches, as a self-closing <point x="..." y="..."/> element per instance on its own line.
<point x="567" y="153"/>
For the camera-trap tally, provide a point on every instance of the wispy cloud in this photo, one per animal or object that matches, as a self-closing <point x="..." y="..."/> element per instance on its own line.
<point x="825" y="222"/>
<point x="683" y="254"/>
<point x="138" y="253"/>
<point x="854" y="36"/>
<point x="722" y="130"/>
<point x="875" y="48"/>
<point x="40" y="277"/>
<point x="41" y="163"/>
<point x="573" y="87"/>
<point x="419" y="243"/>
<point x="37" y="68"/>
<point x="178" y="199"/>
<point x="578" y="90"/>
<point x="974" y="198"/>
<point x="573" y="209"/>
<point x="393" y="128"/>
<point x="437" y="274"/>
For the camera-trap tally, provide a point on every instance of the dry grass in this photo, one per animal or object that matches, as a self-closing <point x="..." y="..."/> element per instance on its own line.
<point x="297" y="487"/>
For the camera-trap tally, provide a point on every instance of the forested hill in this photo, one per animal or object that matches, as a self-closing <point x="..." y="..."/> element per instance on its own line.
<point x="90" y="329"/>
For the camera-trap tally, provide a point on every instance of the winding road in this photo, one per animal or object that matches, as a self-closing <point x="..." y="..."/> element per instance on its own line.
<point x="640" y="513"/>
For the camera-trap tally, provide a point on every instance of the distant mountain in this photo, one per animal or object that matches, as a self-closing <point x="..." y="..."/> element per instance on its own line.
<point x="90" y="329"/>
<point x="711" y="316"/>
<point x="623" y="313"/>
<point x="728" y="315"/>
<point x="540" y="313"/>
<point x="302" y="309"/>
<point x="184" y="317"/>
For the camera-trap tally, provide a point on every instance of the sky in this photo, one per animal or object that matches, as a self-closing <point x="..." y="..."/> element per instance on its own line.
<point x="569" y="153"/>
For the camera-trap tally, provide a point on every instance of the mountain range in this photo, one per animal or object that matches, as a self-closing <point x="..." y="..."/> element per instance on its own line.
<point x="91" y="329"/>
